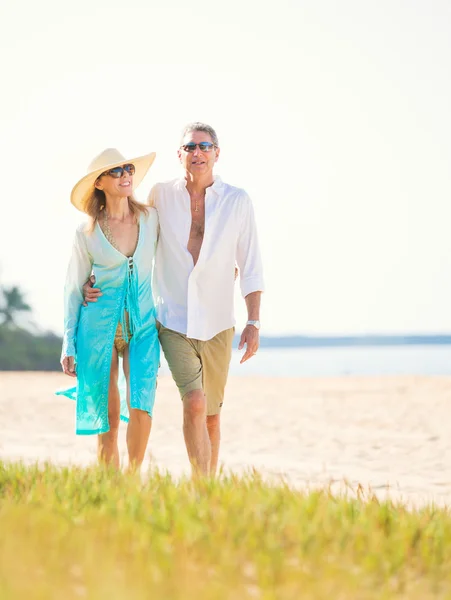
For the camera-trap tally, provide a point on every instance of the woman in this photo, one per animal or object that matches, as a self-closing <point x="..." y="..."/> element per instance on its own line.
<point x="117" y="246"/>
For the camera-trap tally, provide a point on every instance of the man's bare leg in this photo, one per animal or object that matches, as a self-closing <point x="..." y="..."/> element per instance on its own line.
<point x="195" y="431"/>
<point x="214" y="433"/>
<point x="107" y="449"/>
<point x="139" y="425"/>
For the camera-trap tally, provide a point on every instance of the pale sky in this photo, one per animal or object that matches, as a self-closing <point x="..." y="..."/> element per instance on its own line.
<point x="333" y="115"/>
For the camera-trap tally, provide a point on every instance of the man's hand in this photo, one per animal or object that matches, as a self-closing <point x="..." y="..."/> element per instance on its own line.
<point x="251" y="338"/>
<point x="90" y="294"/>
<point x="68" y="364"/>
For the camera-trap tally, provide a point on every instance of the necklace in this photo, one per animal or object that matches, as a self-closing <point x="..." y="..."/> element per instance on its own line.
<point x="197" y="196"/>
<point x="196" y="206"/>
<point x="109" y="234"/>
<point x="107" y="230"/>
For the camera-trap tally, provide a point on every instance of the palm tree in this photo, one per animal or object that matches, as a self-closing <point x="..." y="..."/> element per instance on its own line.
<point x="13" y="303"/>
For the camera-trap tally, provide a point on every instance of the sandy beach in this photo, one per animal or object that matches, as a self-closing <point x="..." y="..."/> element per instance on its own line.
<point x="390" y="433"/>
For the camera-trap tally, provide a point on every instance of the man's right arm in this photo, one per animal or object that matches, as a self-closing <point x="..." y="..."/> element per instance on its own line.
<point x="90" y="293"/>
<point x="152" y="197"/>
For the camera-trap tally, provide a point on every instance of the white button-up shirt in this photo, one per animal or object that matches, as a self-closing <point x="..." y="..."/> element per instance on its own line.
<point x="198" y="300"/>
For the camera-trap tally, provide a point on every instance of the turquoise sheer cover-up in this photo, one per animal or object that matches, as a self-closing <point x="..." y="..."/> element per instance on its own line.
<point x="126" y="284"/>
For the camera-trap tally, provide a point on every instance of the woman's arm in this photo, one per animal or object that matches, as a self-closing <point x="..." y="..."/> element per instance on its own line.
<point x="78" y="271"/>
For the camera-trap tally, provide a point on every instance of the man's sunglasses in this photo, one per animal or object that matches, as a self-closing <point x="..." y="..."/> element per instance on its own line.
<point x="203" y="146"/>
<point x="117" y="172"/>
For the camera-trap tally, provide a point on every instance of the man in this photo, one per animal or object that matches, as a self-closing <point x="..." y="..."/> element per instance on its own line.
<point x="206" y="228"/>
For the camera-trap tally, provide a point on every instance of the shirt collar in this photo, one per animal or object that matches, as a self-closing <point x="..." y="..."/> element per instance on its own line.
<point x="216" y="186"/>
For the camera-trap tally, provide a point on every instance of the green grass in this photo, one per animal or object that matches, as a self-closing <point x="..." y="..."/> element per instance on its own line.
<point x="88" y="533"/>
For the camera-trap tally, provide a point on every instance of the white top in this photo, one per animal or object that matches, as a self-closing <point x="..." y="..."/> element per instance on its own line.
<point x="93" y="252"/>
<point x="198" y="300"/>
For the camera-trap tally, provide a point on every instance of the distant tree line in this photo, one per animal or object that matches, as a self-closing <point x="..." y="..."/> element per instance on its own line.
<point x="23" y="350"/>
<point x="20" y="349"/>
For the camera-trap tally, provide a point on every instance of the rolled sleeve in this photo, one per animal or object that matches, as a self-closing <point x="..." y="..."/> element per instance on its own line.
<point x="248" y="252"/>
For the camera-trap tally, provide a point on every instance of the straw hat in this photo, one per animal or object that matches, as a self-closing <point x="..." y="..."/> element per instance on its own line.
<point x="108" y="159"/>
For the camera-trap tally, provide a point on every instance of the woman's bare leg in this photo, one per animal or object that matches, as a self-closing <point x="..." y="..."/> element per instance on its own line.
<point x="139" y="425"/>
<point x="107" y="449"/>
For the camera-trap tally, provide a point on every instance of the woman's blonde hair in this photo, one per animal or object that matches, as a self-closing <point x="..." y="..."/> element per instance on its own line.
<point x="96" y="202"/>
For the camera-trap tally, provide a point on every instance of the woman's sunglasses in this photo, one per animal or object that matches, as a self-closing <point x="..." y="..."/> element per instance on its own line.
<point x="203" y="146"/>
<point x="117" y="172"/>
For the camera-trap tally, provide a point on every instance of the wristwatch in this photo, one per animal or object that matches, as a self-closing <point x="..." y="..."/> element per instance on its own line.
<point x="256" y="324"/>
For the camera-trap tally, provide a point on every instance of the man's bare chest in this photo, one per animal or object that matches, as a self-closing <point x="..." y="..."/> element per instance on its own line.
<point x="197" y="229"/>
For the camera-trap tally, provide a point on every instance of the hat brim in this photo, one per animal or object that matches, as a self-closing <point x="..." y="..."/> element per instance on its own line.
<point x="82" y="190"/>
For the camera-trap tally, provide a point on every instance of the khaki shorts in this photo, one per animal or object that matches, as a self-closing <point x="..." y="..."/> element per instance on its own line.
<point x="197" y="365"/>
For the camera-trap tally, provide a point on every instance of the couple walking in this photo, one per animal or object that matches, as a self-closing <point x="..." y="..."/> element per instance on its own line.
<point x="140" y="276"/>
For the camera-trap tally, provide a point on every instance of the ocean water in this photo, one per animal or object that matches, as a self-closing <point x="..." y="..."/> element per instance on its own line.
<point x="332" y="362"/>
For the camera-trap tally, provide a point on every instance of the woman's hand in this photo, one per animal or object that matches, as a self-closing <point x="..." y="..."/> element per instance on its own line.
<point x="68" y="364"/>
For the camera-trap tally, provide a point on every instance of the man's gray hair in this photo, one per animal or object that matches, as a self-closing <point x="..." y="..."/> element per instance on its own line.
<point x="197" y="126"/>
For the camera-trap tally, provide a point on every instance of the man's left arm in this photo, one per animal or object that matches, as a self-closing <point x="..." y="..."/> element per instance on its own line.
<point x="251" y="334"/>
<point x="251" y="279"/>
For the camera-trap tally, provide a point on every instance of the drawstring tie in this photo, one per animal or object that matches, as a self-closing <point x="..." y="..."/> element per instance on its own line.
<point x="131" y="304"/>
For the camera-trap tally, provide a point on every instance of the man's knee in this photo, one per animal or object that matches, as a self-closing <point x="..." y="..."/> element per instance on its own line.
<point x="213" y="422"/>
<point x="195" y="404"/>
